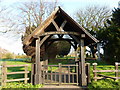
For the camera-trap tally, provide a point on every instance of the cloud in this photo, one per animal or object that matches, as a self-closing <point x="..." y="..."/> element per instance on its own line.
<point x="11" y="45"/>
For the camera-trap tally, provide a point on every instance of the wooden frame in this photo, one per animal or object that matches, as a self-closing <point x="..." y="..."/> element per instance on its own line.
<point x="5" y="73"/>
<point x="56" y="78"/>
<point x="58" y="23"/>
<point x="57" y="32"/>
<point x="104" y="76"/>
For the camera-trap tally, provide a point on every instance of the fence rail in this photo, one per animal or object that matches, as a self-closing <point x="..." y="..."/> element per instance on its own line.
<point x="5" y="73"/>
<point x="61" y="75"/>
<point x="95" y="72"/>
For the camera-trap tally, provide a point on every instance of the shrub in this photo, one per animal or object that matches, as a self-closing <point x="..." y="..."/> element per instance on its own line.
<point x="8" y="56"/>
<point x="22" y="85"/>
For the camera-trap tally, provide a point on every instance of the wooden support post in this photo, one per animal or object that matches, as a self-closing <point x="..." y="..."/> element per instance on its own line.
<point x="26" y="68"/>
<point x="98" y="48"/>
<point x="116" y="68"/>
<point x="32" y="73"/>
<point x="88" y="73"/>
<point x="83" y="73"/>
<point x="60" y="77"/>
<point x="38" y="78"/>
<point x="4" y="74"/>
<point x="95" y="73"/>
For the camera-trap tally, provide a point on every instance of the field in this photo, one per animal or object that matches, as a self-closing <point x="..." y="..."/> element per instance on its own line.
<point x="106" y="83"/>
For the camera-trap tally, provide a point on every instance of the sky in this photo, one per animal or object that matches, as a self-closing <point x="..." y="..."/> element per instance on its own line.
<point x="69" y="6"/>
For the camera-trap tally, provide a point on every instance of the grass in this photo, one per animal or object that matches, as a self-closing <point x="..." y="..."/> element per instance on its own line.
<point x="107" y="83"/>
<point x="19" y="84"/>
<point x="22" y="85"/>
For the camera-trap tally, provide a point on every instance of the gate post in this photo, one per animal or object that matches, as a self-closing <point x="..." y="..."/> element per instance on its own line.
<point x="116" y="68"/>
<point x="38" y="77"/>
<point x="83" y="71"/>
<point x="4" y="74"/>
<point x="88" y="73"/>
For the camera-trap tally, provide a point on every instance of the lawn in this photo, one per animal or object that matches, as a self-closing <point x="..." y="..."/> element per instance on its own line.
<point x="19" y="84"/>
<point x="107" y="83"/>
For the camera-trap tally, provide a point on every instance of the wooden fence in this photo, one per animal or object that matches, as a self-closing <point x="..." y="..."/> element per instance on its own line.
<point x="5" y="73"/>
<point x="63" y="74"/>
<point x="95" y="72"/>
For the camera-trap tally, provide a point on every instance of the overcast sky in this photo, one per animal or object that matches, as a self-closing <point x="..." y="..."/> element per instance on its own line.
<point x="70" y="6"/>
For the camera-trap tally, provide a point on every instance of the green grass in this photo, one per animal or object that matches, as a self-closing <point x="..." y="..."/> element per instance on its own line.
<point x="16" y="69"/>
<point x="107" y="83"/>
<point x="22" y="85"/>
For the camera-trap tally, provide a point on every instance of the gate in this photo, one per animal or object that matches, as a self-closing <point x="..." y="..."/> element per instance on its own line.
<point x="60" y="74"/>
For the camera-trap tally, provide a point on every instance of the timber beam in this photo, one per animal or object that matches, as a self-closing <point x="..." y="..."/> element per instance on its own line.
<point x="58" y="32"/>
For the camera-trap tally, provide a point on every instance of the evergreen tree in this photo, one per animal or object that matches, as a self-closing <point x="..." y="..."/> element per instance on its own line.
<point x="110" y="37"/>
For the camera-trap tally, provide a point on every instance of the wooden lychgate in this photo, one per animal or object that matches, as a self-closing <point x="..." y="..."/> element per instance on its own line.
<point x="58" y="25"/>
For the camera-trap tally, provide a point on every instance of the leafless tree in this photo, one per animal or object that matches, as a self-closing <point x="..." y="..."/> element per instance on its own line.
<point x="34" y="13"/>
<point x="93" y="17"/>
<point x="25" y="15"/>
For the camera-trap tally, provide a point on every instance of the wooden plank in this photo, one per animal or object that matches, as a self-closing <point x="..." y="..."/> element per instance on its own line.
<point x="65" y="77"/>
<point x="12" y="80"/>
<point x="51" y="76"/>
<point x="55" y="76"/>
<point x="83" y="73"/>
<point x="77" y="74"/>
<point x="17" y="65"/>
<point x="88" y="72"/>
<point x="56" y="26"/>
<point x="43" y="40"/>
<point x="60" y="69"/>
<point x="69" y="74"/>
<point x="116" y="68"/>
<point x="32" y="72"/>
<point x="59" y="32"/>
<point x="106" y="76"/>
<point x="4" y="75"/>
<point x="106" y="70"/>
<point x="61" y="65"/>
<point x="38" y="79"/>
<point x="8" y="73"/>
<point x="73" y="78"/>
<point x="63" y="25"/>
<point x="58" y="73"/>
<point x="26" y="68"/>
<point x="94" y="69"/>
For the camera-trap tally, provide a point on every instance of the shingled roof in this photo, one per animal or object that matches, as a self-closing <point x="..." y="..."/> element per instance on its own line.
<point x="59" y="16"/>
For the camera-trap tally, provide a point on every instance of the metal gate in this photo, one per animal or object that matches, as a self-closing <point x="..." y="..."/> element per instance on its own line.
<point x="60" y="74"/>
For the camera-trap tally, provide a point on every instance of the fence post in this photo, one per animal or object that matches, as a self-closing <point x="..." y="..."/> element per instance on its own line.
<point x="60" y="73"/>
<point x="4" y="74"/>
<point x="88" y="72"/>
<point x="95" y="73"/>
<point x="25" y="74"/>
<point x="116" y="68"/>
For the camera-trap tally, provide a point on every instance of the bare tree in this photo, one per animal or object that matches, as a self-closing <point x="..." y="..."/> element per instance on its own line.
<point x="34" y="13"/>
<point x="93" y="18"/>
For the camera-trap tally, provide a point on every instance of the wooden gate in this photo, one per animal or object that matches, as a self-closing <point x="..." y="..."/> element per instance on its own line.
<point x="60" y="74"/>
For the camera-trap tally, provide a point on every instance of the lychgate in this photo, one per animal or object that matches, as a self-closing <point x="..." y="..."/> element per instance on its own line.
<point x="58" y="24"/>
